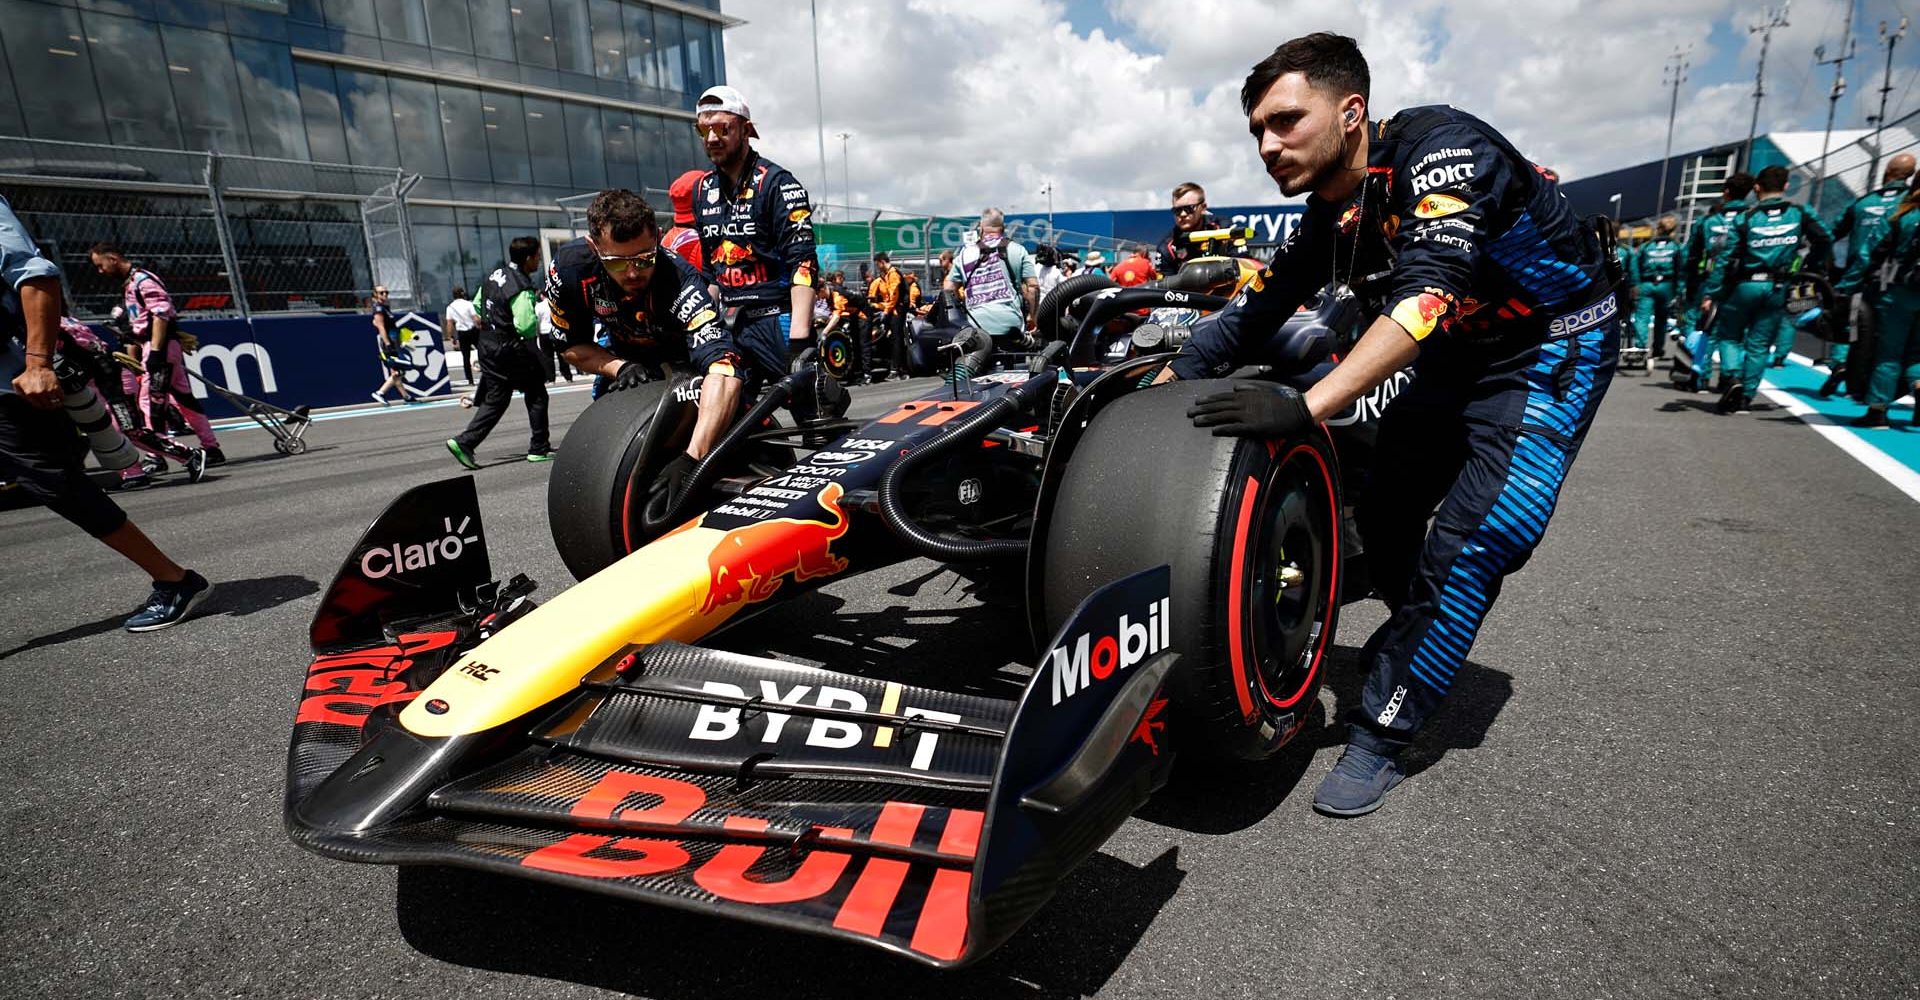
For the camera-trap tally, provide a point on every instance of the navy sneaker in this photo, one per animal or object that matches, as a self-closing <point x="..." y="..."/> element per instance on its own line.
<point x="1357" y="784"/>
<point x="170" y="603"/>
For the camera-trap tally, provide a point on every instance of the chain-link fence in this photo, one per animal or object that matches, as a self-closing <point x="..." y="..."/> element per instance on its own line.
<point x="230" y="235"/>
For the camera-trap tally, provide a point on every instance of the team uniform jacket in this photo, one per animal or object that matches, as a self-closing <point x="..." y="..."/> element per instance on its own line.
<point x="1764" y="244"/>
<point x="1657" y="262"/>
<point x="145" y="298"/>
<point x="1708" y="238"/>
<point x="1175" y="250"/>
<point x="671" y="320"/>
<point x="885" y="291"/>
<point x="756" y="240"/>
<point x="1861" y="224"/>
<point x="1454" y="235"/>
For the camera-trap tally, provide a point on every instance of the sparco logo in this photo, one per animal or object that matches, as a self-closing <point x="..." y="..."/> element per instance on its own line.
<point x="400" y="557"/>
<point x="1092" y="659"/>
<point x="1393" y="707"/>
<point x="1586" y="319"/>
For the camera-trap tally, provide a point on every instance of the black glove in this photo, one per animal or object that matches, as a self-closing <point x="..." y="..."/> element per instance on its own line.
<point x="159" y="368"/>
<point x="630" y="374"/>
<point x="666" y="485"/>
<point x="1253" y="409"/>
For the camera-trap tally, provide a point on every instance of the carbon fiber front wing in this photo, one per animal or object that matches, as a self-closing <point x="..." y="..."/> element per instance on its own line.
<point x="929" y="823"/>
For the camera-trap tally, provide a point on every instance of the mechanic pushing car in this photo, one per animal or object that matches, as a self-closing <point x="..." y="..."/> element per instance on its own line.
<point x="653" y="307"/>
<point x="1502" y="302"/>
<point x="756" y="232"/>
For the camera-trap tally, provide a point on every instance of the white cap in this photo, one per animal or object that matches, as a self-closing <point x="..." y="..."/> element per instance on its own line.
<point x="723" y="98"/>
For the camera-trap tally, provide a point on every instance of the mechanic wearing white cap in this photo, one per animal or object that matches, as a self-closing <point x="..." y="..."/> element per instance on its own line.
<point x="756" y="232"/>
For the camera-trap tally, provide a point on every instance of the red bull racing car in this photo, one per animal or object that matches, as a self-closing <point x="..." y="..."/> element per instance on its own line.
<point x="1177" y="583"/>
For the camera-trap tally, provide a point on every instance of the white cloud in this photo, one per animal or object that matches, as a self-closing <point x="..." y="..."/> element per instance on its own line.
<point x="954" y="106"/>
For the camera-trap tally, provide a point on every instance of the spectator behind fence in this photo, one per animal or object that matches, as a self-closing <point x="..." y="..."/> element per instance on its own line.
<point x="997" y="275"/>
<point x="164" y="390"/>
<point x="37" y="444"/>
<point x="457" y="325"/>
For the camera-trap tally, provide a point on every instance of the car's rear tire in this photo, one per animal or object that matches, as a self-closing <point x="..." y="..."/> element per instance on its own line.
<point x="1053" y="305"/>
<point x="598" y="484"/>
<point x="1147" y="488"/>
<point x="837" y="355"/>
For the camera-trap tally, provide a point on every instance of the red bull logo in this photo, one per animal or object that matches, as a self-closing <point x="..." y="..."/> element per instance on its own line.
<point x="731" y="254"/>
<point x="751" y="562"/>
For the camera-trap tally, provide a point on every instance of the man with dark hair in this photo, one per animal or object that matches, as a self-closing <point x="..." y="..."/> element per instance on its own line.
<point x="156" y="341"/>
<point x="1654" y="268"/>
<point x="1190" y="215"/>
<point x="1704" y="244"/>
<point x="756" y="231"/>
<point x="509" y="357"/>
<point x="888" y="295"/>
<point x="1860" y="226"/>
<point x="1763" y="250"/>
<point x="39" y="450"/>
<point x="654" y="311"/>
<point x="458" y="323"/>
<point x="1502" y="301"/>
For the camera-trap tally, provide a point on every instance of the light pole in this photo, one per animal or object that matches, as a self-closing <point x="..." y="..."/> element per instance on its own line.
<point x="846" y="171"/>
<point x="1614" y="200"/>
<point x="1765" y="31"/>
<point x="1677" y="75"/>
<point x="1833" y="97"/>
<point x="1047" y="190"/>
<point x="819" y="105"/>
<point x="1886" y="86"/>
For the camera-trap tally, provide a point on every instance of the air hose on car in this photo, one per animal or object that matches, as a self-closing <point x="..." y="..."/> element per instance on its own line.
<point x="940" y="545"/>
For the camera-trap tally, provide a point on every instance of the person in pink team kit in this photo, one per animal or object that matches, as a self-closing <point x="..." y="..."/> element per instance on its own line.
<point x="150" y="312"/>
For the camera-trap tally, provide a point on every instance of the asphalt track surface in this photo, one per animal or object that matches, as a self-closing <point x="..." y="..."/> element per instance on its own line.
<point x="1679" y="763"/>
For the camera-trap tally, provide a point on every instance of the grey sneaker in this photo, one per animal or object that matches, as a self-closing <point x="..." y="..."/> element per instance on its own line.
<point x="170" y="603"/>
<point x="1357" y="784"/>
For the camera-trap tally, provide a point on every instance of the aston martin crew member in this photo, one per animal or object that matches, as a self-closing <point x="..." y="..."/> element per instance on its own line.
<point x="1501" y="300"/>
<point x="756" y="231"/>
<point x="1704" y="243"/>
<point x="652" y="306"/>
<point x="1860" y="226"/>
<point x="1749" y="281"/>
<point x="1655" y="269"/>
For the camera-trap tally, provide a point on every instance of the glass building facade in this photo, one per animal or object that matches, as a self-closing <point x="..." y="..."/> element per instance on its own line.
<point x="493" y="103"/>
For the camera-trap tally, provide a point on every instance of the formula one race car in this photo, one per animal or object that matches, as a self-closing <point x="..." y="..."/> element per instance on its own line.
<point x="1179" y="585"/>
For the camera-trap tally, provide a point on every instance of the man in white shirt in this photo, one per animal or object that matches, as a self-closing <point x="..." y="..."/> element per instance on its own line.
<point x="457" y="325"/>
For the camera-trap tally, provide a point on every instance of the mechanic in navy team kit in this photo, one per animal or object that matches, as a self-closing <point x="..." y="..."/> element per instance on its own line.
<point x="1501" y="300"/>
<point x="654" y="313"/>
<point x="756" y="232"/>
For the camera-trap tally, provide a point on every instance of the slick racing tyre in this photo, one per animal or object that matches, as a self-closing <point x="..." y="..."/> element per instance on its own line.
<point x="1053" y="305"/>
<point x="1251" y="530"/>
<point x="598" y="486"/>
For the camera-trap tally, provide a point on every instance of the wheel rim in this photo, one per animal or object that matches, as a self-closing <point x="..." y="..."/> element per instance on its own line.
<point x="838" y="356"/>
<point x="1293" y="570"/>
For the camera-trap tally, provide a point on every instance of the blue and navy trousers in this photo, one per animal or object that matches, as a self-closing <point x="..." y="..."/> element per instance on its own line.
<point x="1466" y="473"/>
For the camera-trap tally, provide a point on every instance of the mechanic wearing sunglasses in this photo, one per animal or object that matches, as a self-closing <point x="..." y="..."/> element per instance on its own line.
<point x="756" y="233"/>
<point x="1503" y="302"/>
<point x="1190" y="215"/>
<point x="652" y="306"/>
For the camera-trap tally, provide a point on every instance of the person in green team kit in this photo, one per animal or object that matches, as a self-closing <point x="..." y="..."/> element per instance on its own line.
<point x="1896" y="355"/>
<point x="1749" y="281"/>
<point x="1704" y="243"/>
<point x="1655" y="271"/>
<point x="1860" y="226"/>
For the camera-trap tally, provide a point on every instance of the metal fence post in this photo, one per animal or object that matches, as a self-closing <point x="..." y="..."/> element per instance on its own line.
<point x="228" y="258"/>
<point x="400" y="190"/>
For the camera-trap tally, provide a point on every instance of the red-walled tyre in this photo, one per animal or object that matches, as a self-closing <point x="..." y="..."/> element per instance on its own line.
<point x="599" y="479"/>
<point x="1251" y="530"/>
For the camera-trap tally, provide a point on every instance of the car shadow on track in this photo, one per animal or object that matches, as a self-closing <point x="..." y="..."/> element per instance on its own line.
<point x="1209" y="797"/>
<point x="230" y="597"/>
<point x="488" y="921"/>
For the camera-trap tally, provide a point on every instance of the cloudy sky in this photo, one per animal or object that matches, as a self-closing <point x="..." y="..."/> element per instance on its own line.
<point x="956" y="104"/>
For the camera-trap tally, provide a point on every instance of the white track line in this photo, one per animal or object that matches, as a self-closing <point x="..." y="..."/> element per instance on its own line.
<point x="1878" y="462"/>
<point x="246" y="423"/>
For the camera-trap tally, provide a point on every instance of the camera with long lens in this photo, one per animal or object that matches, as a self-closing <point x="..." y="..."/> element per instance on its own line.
<point x="88" y="412"/>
